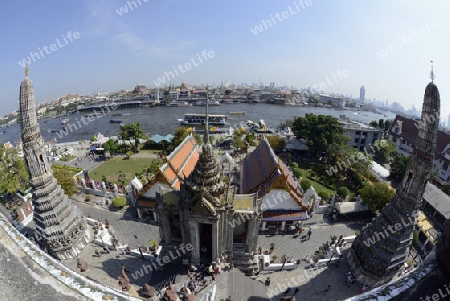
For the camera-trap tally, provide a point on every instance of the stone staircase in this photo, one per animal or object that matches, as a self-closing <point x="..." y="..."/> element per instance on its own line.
<point x="242" y="260"/>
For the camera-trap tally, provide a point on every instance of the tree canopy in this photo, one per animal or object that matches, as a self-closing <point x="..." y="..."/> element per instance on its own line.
<point x="110" y="146"/>
<point x="64" y="178"/>
<point x="399" y="163"/>
<point x="119" y="201"/>
<point x="383" y="151"/>
<point x="13" y="171"/>
<point x="181" y="133"/>
<point x="276" y="142"/>
<point x="133" y="131"/>
<point x="320" y="131"/>
<point x="377" y="195"/>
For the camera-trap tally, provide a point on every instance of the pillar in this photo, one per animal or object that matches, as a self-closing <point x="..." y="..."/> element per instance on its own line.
<point x="215" y="240"/>
<point x="195" y="241"/>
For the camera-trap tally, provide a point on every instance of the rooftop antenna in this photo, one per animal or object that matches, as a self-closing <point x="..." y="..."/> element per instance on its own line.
<point x="432" y="72"/>
<point x="206" y="135"/>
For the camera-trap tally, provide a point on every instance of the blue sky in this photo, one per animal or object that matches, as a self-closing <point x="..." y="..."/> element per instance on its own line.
<point x="311" y="43"/>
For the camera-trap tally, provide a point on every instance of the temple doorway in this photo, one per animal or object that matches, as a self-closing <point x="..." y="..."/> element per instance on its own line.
<point x="175" y="228"/>
<point x="205" y="233"/>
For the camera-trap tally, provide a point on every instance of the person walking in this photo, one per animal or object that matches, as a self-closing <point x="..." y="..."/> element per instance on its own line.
<point x="326" y="290"/>
<point x="287" y="291"/>
<point x="309" y="233"/>
<point x="296" y="291"/>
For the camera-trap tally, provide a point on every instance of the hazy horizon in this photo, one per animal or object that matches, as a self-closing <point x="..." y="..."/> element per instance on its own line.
<point x="108" y="45"/>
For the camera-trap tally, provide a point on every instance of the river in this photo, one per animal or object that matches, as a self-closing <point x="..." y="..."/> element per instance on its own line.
<point x="163" y="120"/>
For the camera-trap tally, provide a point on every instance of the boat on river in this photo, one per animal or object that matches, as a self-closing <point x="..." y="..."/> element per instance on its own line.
<point x="199" y="119"/>
<point x="178" y="104"/>
<point x="115" y="121"/>
<point x="64" y="121"/>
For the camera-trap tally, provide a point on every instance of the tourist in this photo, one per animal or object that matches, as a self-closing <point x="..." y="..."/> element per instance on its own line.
<point x="217" y="270"/>
<point x="309" y="233"/>
<point x="98" y="253"/>
<point x="140" y="252"/>
<point x="267" y="282"/>
<point x="363" y="288"/>
<point x="287" y="291"/>
<point x="210" y="270"/>
<point x="296" y="291"/>
<point x="327" y="289"/>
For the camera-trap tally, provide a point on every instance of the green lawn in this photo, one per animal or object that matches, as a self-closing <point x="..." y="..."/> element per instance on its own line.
<point x="317" y="186"/>
<point x="111" y="168"/>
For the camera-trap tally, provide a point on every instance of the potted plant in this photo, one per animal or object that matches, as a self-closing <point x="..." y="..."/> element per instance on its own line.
<point x="274" y="258"/>
<point x="153" y="245"/>
<point x="87" y="198"/>
<point x="106" y="223"/>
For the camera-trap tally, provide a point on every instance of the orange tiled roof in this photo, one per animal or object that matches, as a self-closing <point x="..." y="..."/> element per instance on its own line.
<point x="181" y="162"/>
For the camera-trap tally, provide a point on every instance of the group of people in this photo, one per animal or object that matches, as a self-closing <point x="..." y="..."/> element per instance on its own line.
<point x="197" y="274"/>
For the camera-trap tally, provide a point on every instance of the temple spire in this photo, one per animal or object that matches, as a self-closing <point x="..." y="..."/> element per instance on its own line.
<point x="26" y="70"/>
<point x="432" y="72"/>
<point x="206" y="135"/>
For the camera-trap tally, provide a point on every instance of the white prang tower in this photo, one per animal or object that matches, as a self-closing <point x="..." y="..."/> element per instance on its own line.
<point x="59" y="225"/>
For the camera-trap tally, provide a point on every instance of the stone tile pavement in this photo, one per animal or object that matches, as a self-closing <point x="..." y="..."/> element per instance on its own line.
<point x="129" y="230"/>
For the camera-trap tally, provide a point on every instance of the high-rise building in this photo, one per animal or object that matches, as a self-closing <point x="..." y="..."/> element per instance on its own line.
<point x="61" y="229"/>
<point x="378" y="254"/>
<point x="362" y="94"/>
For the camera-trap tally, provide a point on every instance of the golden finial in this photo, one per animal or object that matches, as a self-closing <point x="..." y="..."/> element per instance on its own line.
<point x="432" y="72"/>
<point x="26" y="71"/>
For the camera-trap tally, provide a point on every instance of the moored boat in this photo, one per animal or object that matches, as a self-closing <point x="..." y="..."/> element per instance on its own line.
<point x="115" y="121"/>
<point x="199" y="119"/>
<point x="64" y="121"/>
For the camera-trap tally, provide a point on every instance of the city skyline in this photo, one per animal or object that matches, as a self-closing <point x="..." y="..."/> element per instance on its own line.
<point x="86" y="47"/>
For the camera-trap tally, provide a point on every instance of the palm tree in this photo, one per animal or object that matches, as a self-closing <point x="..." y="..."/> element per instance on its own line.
<point x="133" y="131"/>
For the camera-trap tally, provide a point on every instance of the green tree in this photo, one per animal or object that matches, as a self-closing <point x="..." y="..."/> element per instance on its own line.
<point x="64" y="178"/>
<point x="276" y="142"/>
<point x="383" y="151"/>
<point x="13" y="171"/>
<point x="374" y="123"/>
<point x="345" y="166"/>
<point x="181" y="133"/>
<point x="238" y="141"/>
<point x="119" y="201"/>
<point x="133" y="131"/>
<point x="305" y="184"/>
<point x="320" y="131"/>
<point x="381" y="123"/>
<point x="399" y="163"/>
<point x="297" y="172"/>
<point x="110" y="146"/>
<point x="446" y="189"/>
<point x="376" y="196"/>
<point x="121" y="178"/>
<point x="343" y="192"/>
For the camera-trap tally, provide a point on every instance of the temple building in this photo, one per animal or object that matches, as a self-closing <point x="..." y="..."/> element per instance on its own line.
<point x="61" y="229"/>
<point x="378" y="254"/>
<point x="178" y="165"/>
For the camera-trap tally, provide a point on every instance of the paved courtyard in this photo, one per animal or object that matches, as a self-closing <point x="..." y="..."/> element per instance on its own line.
<point x="311" y="282"/>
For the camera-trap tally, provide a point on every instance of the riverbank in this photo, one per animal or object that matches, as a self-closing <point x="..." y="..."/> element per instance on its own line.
<point x="163" y="120"/>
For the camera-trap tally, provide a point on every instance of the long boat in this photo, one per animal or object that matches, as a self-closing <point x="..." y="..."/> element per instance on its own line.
<point x="199" y="119"/>
<point x="64" y="121"/>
